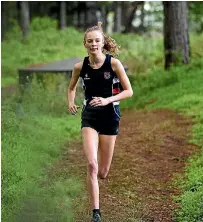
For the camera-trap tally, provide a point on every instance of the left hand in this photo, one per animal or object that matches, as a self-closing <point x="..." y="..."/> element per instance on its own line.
<point x="99" y="101"/>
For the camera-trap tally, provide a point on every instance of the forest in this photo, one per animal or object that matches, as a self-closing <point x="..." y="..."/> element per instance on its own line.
<point x="157" y="170"/>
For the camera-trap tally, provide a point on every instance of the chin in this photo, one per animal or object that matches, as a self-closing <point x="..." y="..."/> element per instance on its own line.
<point x="95" y="52"/>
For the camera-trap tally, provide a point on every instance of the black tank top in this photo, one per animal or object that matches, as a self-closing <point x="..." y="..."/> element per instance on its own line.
<point x="101" y="82"/>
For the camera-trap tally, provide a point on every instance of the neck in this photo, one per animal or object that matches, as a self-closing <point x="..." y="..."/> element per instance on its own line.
<point x="97" y="58"/>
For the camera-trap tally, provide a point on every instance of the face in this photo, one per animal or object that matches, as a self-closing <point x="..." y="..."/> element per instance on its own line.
<point x="94" y="42"/>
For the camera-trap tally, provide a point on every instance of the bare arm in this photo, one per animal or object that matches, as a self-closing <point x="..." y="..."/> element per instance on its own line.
<point x="72" y="88"/>
<point x="121" y="74"/>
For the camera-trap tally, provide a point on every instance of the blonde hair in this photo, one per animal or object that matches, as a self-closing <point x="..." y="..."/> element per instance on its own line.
<point x="110" y="45"/>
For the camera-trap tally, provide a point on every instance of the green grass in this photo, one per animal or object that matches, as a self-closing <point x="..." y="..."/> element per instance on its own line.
<point x="8" y="80"/>
<point x="33" y="135"/>
<point x="140" y="53"/>
<point x="180" y="89"/>
<point x="32" y="141"/>
<point x="45" y="44"/>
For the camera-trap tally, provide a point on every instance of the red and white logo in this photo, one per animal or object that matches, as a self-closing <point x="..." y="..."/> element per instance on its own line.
<point x="107" y="75"/>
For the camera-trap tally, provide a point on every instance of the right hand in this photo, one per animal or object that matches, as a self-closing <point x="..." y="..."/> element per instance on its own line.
<point x="73" y="109"/>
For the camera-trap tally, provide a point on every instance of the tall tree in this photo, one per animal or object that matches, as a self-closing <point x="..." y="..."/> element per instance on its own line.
<point x="105" y="7"/>
<point x="176" y="36"/>
<point x="117" y="16"/>
<point x="24" y="19"/>
<point x="62" y="15"/>
<point x="91" y="15"/>
<point x="131" y="16"/>
<point x="142" y="17"/>
<point x="3" y="20"/>
<point x="104" y="12"/>
<point x="8" y="17"/>
<point x="126" y="8"/>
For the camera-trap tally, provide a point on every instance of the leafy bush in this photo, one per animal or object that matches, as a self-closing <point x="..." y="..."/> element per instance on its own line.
<point x="192" y="210"/>
<point x="45" y="23"/>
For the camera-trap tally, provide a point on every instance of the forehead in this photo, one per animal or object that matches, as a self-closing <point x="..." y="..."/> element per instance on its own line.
<point x="94" y="35"/>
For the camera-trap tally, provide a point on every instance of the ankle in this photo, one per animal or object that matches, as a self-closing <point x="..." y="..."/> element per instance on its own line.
<point x="97" y="211"/>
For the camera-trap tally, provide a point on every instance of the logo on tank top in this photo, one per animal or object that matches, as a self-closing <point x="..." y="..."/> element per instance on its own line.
<point x="86" y="77"/>
<point x="107" y="75"/>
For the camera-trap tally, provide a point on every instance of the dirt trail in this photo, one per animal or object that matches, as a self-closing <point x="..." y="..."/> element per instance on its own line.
<point x="150" y="152"/>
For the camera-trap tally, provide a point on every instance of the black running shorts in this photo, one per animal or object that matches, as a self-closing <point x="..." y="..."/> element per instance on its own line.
<point x="105" y="119"/>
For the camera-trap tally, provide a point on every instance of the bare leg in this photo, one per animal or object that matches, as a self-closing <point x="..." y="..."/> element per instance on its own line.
<point x="106" y="149"/>
<point x="90" y="145"/>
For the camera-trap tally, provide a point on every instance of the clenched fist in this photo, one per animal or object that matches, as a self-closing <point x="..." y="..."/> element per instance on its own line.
<point x="72" y="108"/>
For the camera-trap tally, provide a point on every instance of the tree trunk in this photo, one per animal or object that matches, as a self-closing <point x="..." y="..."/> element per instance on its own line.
<point x="91" y="14"/>
<point x="176" y="36"/>
<point x="79" y="18"/>
<point x="131" y="16"/>
<point x="8" y="17"/>
<point x="4" y="20"/>
<point x="104" y="12"/>
<point x="62" y="20"/>
<point x="115" y="5"/>
<point x="25" y="19"/>
<point x="85" y="18"/>
<point x="142" y="18"/>
<point x="18" y="7"/>
<point x="125" y="12"/>
<point x="117" y="16"/>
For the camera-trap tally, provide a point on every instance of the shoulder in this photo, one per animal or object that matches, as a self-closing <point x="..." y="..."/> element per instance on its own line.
<point x="115" y="64"/>
<point x="78" y="66"/>
<point x="115" y="61"/>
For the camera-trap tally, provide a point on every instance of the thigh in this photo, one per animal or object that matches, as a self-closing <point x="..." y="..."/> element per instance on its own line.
<point x="90" y="143"/>
<point x="106" y="149"/>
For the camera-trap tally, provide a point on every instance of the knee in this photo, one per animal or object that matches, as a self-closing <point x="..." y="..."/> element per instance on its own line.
<point x="93" y="168"/>
<point x="102" y="174"/>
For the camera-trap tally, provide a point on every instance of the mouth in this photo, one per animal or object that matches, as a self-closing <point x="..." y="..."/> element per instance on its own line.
<point x="93" y="49"/>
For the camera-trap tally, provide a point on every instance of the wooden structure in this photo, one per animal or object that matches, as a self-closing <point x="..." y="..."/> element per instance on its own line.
<point x="61" y="66"/>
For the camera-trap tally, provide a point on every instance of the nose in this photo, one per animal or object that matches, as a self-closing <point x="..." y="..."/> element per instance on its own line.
<point x="94" y="43"/>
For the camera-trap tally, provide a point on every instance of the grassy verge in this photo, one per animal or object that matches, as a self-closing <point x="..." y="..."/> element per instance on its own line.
<point x="180" y="89"/>
<point x="33" y="137"/>
<point x="8" y="80"/>
<point x="34" y="134"/>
